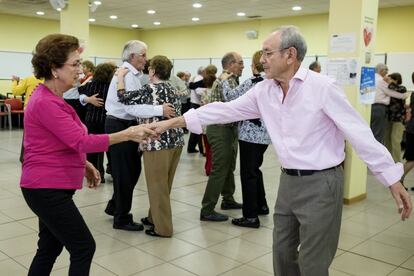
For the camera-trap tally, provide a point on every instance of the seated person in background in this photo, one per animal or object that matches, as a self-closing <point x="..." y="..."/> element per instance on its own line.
<point x="88" y="68"/>
<point x="24" y="87"/>
<point x="396" y="117"/>
<point x="160" y="155"/>
<point x="94" y="95"/>
<point x="315" y="66"/>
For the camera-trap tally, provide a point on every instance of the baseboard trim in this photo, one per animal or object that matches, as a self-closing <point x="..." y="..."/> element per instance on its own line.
<point x="349" y="201"/>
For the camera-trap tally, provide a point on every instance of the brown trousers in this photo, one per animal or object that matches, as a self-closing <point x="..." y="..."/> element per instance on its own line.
<point x="160" y="169"/>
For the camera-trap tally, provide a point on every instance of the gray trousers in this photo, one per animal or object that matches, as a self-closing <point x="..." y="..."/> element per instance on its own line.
<point x="308" y="212"/>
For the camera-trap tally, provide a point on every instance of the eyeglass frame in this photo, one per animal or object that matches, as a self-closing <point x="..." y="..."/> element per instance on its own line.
<point x="268" y="54"/>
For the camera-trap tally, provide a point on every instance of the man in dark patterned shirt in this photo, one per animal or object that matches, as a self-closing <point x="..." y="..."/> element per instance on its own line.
<point x="223" y="142"/>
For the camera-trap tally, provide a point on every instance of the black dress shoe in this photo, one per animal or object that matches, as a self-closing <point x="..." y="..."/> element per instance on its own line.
<point x="109" y="210"/>
<point x="214" y="217"/>
<point x="246" y="222"/>
<point x="227" y="205"/>
<point x="131" y="226"/>
<point x="192" y="151"/>
<point x="146" y="222"/>
<point x="264" y="210"/>
<point x="151" y="232"/>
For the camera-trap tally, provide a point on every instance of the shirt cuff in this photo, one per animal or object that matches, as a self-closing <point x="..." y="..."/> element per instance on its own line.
<point x="391" y="175"/>
<point x="158" y="110"/>
<point x="192" y="121"/>
<point x="82" y="99"/>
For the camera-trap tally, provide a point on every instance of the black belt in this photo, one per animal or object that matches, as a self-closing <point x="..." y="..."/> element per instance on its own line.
<point x="295" y="172"/>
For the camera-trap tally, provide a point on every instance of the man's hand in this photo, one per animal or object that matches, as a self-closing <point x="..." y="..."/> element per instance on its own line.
<point x="168" y="110"/>
<point x="402" y="199"/>
<point x="141" y="133"/>
<point x="161" y="126"/>
<point x="94" y="100"/>
<point x="92" y="175"/>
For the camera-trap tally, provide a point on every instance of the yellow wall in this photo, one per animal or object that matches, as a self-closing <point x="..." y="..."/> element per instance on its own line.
<point x="19" y="33"/>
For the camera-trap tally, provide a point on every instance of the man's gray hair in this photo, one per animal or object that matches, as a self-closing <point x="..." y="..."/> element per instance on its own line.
<point x="200" y="70"/>
<point x="133" y="47"/>
<point x="291" y="37"/>
<point x="380" y="68"/>
<point x="227" y="60"/>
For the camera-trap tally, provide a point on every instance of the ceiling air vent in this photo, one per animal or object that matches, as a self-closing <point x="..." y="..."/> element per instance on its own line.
<point x="253" y="16"/>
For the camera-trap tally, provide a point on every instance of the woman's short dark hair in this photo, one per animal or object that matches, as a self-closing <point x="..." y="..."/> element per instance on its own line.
<point x="256" y="61"/>
<point x="162" y="67"/>
<point x="89" y="64"/>
<point x="104" y="72"/>
<point x="397" y="77"/>
<point x="210" y="75"/>
<point x="51" y="52"/>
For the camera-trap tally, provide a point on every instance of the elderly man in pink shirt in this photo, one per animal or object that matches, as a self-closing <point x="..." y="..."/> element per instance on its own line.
<point x="308" y="118"/>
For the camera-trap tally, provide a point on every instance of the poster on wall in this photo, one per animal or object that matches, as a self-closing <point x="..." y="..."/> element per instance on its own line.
<point x="368" y="38"/>
<point x="343" y="70"/>
<point x="367" y="85"/>
<point x="343" y="43"/>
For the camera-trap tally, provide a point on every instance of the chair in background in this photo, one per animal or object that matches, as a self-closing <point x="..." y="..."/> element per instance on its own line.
<point x="5" y="114"/>
<point x="16" y="107"/>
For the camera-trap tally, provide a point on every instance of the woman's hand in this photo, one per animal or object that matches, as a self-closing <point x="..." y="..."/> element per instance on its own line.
<point x="121" y="72"/>
<point x="92" y="175"/>
<point x="141" y="133"/>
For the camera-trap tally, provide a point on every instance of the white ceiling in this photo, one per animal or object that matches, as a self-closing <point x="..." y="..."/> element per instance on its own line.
<point x="173" y="13"/>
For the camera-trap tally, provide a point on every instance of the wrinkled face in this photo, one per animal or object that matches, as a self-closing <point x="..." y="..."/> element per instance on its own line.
<point x="68" y="74"/>
<point x="275" y="60"/>
<point x="237" y="66"/>
<point x="138" y="60"/>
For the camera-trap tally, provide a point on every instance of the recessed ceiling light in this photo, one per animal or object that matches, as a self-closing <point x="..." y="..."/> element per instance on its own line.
<point x="40" y="13"/>
<point x="134" y="25"/>
<point x="241" y="14"/>
<point x="92" y="19"/>
<point x="157" y="23"/>
<point x="97" y="3"/>
<point x="113" y="17"/>
<point x="296" y="8"/>
<point x="195" y="19"/>
<point x="197" y="5"/>
<point x="150" y="11"/>
<point x="59" y="9"/>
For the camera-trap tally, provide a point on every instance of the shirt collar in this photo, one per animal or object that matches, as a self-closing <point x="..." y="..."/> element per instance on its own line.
<point x="131" y="68"/>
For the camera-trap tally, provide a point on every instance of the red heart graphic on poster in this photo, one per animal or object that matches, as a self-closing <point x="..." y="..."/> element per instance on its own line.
<point x="367" y="36"/>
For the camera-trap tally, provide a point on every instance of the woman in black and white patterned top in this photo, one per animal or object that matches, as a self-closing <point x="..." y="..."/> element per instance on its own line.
<point x="161" y="155"/>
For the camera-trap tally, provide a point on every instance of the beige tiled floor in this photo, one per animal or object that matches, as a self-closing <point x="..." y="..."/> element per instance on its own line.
<point x="373" y="240"/>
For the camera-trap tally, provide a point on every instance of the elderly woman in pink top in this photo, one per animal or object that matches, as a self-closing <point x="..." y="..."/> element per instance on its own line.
<point x="56" y="143"/>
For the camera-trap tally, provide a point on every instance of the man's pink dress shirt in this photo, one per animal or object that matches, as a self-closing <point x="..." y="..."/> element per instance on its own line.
<point x="307" y="127"/>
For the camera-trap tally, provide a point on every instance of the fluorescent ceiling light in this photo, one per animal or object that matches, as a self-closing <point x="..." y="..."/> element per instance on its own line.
<point x="150" y="11"/>
<point x="113" y="17"/>
<point x="195" y="19"/>
<point x="134" y="26"/>
<point x="241" y="14"/>
<point x="92" y="19"/>
<point x="97" y="3"/>
<point x="59" y="9"/>
<point x="296" y="8"/>
<point x="40" y="13"/>
<point x="157" y="23"/>
<point x="197" y="5"/>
